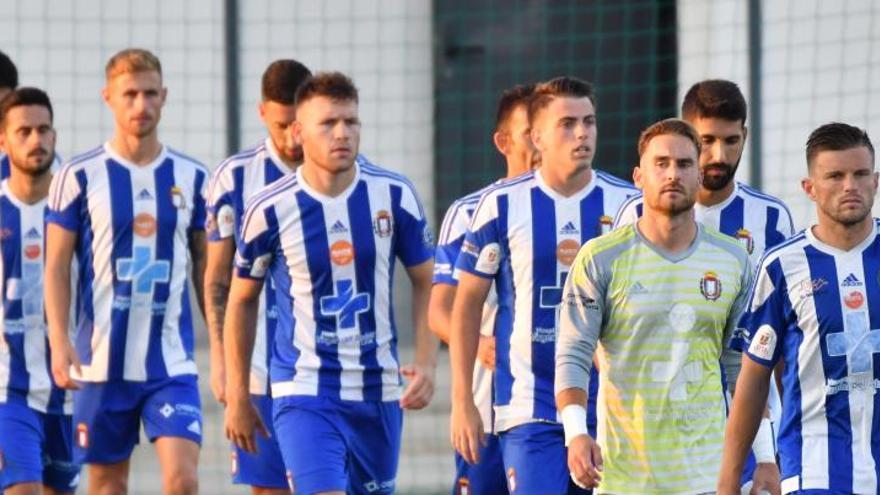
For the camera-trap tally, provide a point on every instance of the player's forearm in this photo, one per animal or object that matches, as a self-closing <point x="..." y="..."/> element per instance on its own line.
<point x="571" y="396"/>
<point x="56" y="286"/>
<point x="463" y="343"/>
<point x="241" y="320"/>
<point x="198" y="247"/>
<point x="749" y="404"/>
<point x="426" y="343"/>
<point x="217" y="282"/>
<point x="440" y="310"/>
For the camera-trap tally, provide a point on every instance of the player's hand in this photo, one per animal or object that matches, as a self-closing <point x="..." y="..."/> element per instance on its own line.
<point x="218" y="376"/>
<point x="585" y="461"/>
<point x="466" y="431"/>
<point x="420" y="390"/>
<point x="486" y="352"/>
<point x="766" y="479"/>
<point x="64" y="358"/>
<point x="242" y="420"/>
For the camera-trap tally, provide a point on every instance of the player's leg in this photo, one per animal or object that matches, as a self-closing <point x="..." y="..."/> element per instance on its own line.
<point x="301" y="423"/>
<point x="172" y="416"/>
<point x="536" y="460"/>
<point x="60" y="472"/>
<point x="263" y="471"/>
<point x="373" y="430"/>
<point x="485" y="477"/>
<point x="21" y="466"/>
<point x="105" y="431"/>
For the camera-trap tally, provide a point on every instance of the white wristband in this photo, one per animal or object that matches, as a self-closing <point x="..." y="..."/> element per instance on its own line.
<point x="763" y="445"/>
<point x="574" y="421"/>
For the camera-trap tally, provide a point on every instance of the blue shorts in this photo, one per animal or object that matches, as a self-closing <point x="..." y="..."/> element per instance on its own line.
<point x="485" y="477"/>
<point x="107" y="416"/>
<point x="536" y="460"/>
<point x="336" y="445"/>
<point x="36" y="447"/>
<point x="264" y="469"/>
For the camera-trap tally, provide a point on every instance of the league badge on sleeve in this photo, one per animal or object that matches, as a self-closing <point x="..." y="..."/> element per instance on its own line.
<point x="710" y="286"/>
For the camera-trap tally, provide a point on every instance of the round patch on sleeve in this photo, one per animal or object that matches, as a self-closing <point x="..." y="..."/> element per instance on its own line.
<point x="225" y="221"/>
<point x="489" y="259"/>
<point x="763" y="343"/>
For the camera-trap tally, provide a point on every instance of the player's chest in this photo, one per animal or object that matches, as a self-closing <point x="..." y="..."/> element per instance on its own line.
<point x="22" y="239"/>
<point x="141" y="205"/>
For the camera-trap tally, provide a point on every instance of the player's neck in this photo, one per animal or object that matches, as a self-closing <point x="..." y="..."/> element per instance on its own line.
<point x="325" y="182"/>
<point x="30" y="189"/>
<point x="286" y="162"/>
<point x="140" y="150"/>
<point x="707" y="197"/>
<point x="671" y="233"/>
<point x="564" y="181"/>
<point x="843" y="237"/>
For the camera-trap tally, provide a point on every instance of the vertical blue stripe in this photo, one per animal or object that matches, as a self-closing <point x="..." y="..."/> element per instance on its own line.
<point x="85" y="324"/>
<point x="544" y="276"/>
<point x="271" y="174"/>
<point x="504" y="317"/>
<point x="318" y="260"/>
<point x="238" y="200"/>
<point x="122" y="215"/>
<point x="871" y="264"/>
<point x="281" y="342"/>
<point x="4" y="167"/>
<point x="772" y="236"/>
<point x="830" y="316"/>
<point x="365" y="282"/>
<point x="166" y="226"/>
<point x="10" y="216"/>
<point x="271" y="171"/>
<point x="732" y="217"/>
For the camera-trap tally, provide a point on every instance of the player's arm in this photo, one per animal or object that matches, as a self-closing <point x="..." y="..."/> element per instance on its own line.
<point x="580" y="322"/>
<point x="440" y="310"/>
<point x="466" y="427"/>
<point x="60" y="246"/>
<point x="420" y="373"/>
<point x="197" y="253"/>
<point x="218" y="277"/>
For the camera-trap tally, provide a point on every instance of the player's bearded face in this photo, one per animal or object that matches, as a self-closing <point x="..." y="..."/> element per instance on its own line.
<point x="279" y="119"/>
<point x="722" y="146"/>
<point x="330" y="132"/>
<point x="136" y="99"/>
<point x="566" y="133"/>
<point x="668" y="174"/>
<point x="30" y="139"/>
<point x="843" y="184"/>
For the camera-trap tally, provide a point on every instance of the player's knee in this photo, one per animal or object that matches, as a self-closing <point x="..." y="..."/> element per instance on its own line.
<point x="181" y="482"/>
<point x="24" y="489"/>
<point x="107" y="482"/>
<point x="259" y="490"/>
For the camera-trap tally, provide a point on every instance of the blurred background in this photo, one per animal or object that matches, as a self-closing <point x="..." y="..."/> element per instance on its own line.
<point x="429" y="75"/>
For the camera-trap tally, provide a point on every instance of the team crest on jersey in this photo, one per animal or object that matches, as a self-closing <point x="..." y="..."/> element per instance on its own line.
<point x="511" y="480"/>
<point x="854" y="300"/>
<point x="605" y="223"/>
<point x="382" y="224"/>
<point x="462" y="487"/>
<point x="710" y="286"/>
<point x="32" y="251"/>
<point x="177" y="198"/>
<point x="82" y="435"/>
<point x="745" y="238"/>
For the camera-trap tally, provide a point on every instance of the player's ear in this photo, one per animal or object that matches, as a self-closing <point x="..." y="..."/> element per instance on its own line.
<point x="502" y="142"/>
<point x="261" y="108"/>
<point x="637" y="176"/>
<point x="745" y="132"/>
<point x="164" y="94"/>
<point x="296" y="127"/>
<point x="105" y="94"/>
<point x="535" y="135"/>
<point x="807" y="186"/>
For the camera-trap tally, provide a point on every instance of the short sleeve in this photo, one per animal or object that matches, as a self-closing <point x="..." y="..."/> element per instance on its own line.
<point x="481" y="251"/>
<point x="200" y="190"/>
<point x="257" y="242"/>
<point x="761" y="328"/>
<point x="414" y="240"/>
<point x="221" y="205"/>
<point x="65" y="198"/>
<point x="452" y="233"/>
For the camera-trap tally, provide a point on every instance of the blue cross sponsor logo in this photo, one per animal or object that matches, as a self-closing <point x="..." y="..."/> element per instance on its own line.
<point x="858" y="342"/>
<point x="345" y="304"/>
<point x="142" y="270"/>
<point x="551" y="296"/>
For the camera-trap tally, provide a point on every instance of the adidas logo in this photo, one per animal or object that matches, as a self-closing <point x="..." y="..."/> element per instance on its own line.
<point x="338" y="228"/>
<point x="144" y="195"/>
<point x="195" y="427"/>
<point x="638" y="288"/>
<point x="851" y="281"/>
<point x="33" y="234"/>
<point x="568" y="228"/>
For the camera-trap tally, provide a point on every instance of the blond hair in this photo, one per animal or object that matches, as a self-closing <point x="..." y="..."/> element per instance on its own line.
<point x="132" y="60"/>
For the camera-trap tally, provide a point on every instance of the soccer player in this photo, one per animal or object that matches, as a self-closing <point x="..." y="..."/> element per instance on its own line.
<point x="8" y="75"/>
<point x="815" y="306"/>
<point x="524" y="236"/>
<point x="512" y="140"/>
<point x="661" y="298"/>
<point x="233" y="183"/>
<point x="717" y="110"/>
<point x="328" y="236"/>
<point x="133" y="211"/>
<point x="36" y="434"/>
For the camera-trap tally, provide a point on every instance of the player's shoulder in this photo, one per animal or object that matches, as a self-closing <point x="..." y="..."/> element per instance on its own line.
<point x="612" y="241"/>
<point x="507" y="186"/>
<point x="793" y="247"/>
<point x="374" y="172"/>
<point x="85" y="159"/>
<point x="240" y="159"/>
<point x="724" y="242"/>
<point x="609" y="181"/>
<point x="185" y="161"/>
<point x="749" y="193"/>
<point x="274" y="192"/>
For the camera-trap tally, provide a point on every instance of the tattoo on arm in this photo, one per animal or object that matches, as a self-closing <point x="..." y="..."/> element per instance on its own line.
<point x="217" y="306"/>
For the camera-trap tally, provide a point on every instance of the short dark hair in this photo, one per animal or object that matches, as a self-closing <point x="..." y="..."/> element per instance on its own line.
<point x="333" y="85"/>
<point x="836" y="136"/>
<point x="281" y="79"/>
<point x="668" y="126"/>
<point x="23" y="97"/>
<point x="714" y="98"/>
<point x="8" y="72"/>
<point x="512" y="98"/>
<point x="563" y="86"/>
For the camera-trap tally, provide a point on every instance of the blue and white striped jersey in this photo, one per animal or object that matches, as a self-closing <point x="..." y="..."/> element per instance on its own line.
<point x="25" y="375"/>
<point x="133" y="224"/>
<point x="759" y="221"/>
<point x="817" y="308"/>
<point x="234" y="182"/>
<point x="332" y="263"/>
<point x="452" y="234"/>
<point x="525" y="236"/>
<point x="6" y="167"/>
